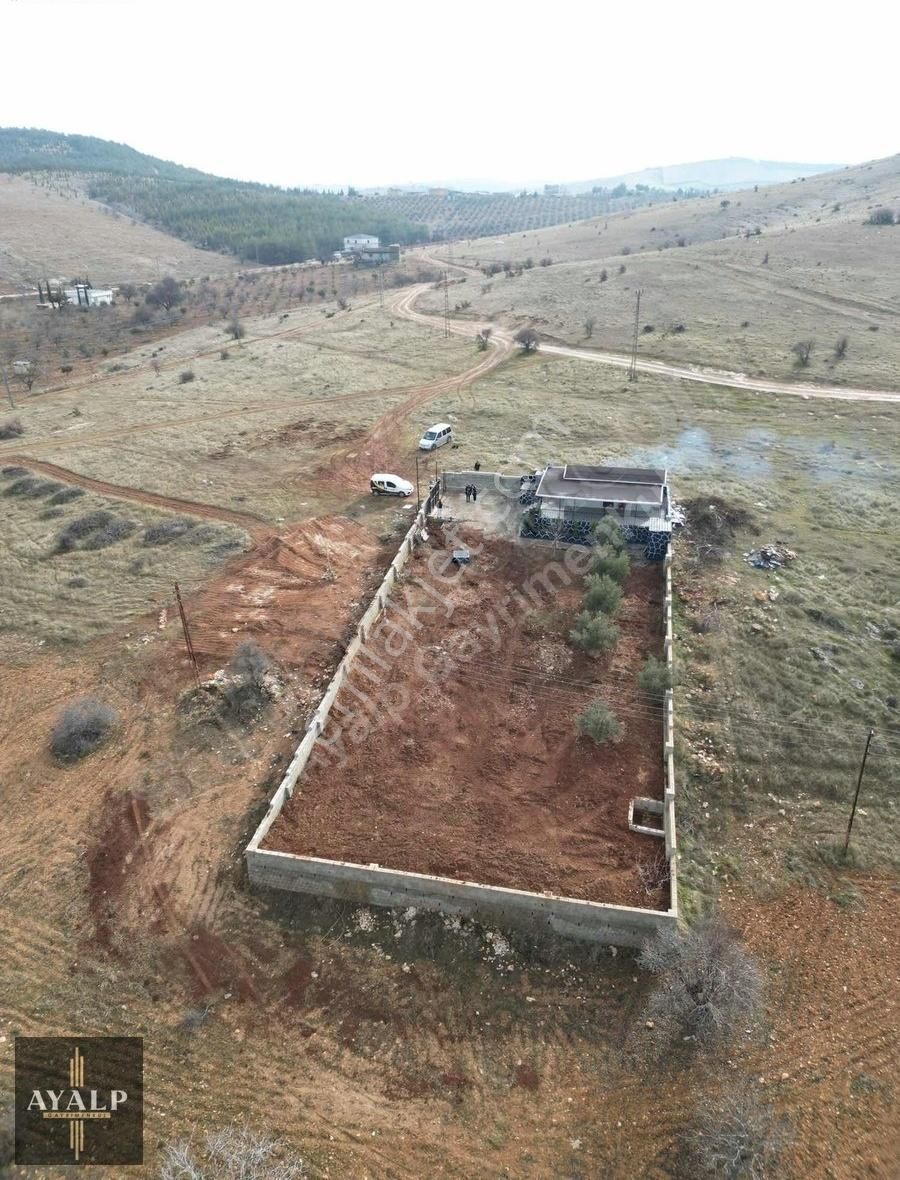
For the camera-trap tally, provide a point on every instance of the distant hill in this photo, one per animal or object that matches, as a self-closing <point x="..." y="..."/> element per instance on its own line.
<point x="725" y="175"/>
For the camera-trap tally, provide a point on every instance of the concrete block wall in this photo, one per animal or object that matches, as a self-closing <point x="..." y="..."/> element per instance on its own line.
<point x="485" y="481"/>
<point x="669" y="742"/>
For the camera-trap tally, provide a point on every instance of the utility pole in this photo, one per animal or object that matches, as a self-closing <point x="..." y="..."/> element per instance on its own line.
<point x="632" y="372"/>
<point x="862" y="768"/>
<point x="8" y="390"/>
<point x="381" y="287"/>
<point x="446" y="304"/>
<point x="187" y="636"/>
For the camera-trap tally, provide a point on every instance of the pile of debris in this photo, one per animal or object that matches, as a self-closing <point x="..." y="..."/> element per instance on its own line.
<point x="770" y="557"/>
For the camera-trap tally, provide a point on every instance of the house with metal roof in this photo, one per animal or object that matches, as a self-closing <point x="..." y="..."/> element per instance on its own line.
<point x="570" y="499"/>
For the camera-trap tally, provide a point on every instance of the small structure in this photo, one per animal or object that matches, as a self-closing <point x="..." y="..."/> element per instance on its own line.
<point x="84" y="295"/>
<point x="569" y="500"/>
<point x="375" y="255"/>
<point x="553" y="190"/>
<point x="360" y="242"/>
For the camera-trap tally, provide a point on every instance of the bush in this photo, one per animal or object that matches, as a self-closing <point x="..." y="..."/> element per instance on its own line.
<point x="802" y="351"/>
<point x="234" y="1154"/>
<point x="79" y="528"/>
<point x="236" y="330"/>
<point x="597" y="723"/>
<point x="165" y="531"/>
<point x="708" y="984"/>
<point x="881" y="216"/>
<point x="66" y="495"/>
<point x="80" y="728"/>
<point x="13" y="472"/>
<point x="249" y="662"/>
<point x="594" y="632"/>
<point x="616" y="565"/>
<point x="186" y="376"/>
<point x="736" y="1137"/>
<point x="246" y="694"/>
<point x="11" y="429"/>
<point x="527" y="339"/>
<point x="109" y="534"/>
<point x="32" y="487"/>
<point x="654" y="678"/>
<point x="602" y="593"/>
<point x="608" y="532"/>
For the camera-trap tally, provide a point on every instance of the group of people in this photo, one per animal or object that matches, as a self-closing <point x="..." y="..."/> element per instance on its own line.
<point x="471" y="492"/>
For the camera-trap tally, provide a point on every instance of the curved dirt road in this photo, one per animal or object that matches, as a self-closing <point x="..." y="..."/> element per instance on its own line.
<point x="697" y="373"/>
<point x="257" y="528"/>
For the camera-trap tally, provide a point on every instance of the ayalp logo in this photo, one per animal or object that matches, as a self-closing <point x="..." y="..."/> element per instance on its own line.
<point x="79" y="1101"/>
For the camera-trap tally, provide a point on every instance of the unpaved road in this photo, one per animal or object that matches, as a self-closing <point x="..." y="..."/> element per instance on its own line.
<point x="697" y="373"/>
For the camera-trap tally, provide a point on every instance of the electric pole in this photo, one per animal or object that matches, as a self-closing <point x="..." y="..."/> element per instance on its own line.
<point x="8" y="390"/>
<point x="862" y="769"/>
<point x="632" y="372"/>
<point x="187" y="636"/>
<point x="446" y="304"/>
<point x="380" y="287"/>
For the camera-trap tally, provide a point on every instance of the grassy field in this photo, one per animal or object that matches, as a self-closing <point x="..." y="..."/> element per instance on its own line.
<point x="777" y="696"/>
<point x="51" y="234"/>
<point x="246" y="428"/>
<point x="75" y="595"/>
<point x="713" y="291"/>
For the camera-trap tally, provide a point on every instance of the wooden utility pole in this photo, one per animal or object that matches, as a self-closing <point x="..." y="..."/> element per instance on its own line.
<point x="632" y="372"/>
<point x="8" y="390"/>
<point x="862" y="769"/>
<point x="187" y="636"/>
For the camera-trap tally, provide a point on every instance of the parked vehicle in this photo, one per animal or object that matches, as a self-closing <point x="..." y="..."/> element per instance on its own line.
<point x="390" y="485"/>
<point x="436" y="436"/>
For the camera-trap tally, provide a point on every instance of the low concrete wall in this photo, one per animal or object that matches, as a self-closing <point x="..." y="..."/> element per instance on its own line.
<point x="669" y="742"/>
<point x="535" y="912"/>
<point x="485" y="481"/>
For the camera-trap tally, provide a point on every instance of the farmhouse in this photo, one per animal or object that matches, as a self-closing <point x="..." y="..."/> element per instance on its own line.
<point x="375" y="255"/>
<point x="360" y="242"/>
<point x="84" y="295"/>
<point x="570" y="499"/>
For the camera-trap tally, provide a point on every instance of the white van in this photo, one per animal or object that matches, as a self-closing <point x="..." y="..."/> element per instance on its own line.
<point x="436" y="436"/>
<point x="390" y="485"/>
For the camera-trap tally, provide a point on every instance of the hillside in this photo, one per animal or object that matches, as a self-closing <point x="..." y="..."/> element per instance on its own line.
<point x="729" y="281"/>
<point x="51" y="231"/>
<point x="724" y="175"/>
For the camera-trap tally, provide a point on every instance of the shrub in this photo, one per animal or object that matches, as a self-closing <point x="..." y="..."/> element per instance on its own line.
<point x="32" y="487"/>
<point x="736" y="1137"/>
<point x="186" y="376"/>
<point x="246" y="694"/>
<point x="234" y="1154"/>
<point x="80" y="728"/>
<point x="79" y="528"/>
<point x="109" y="534"/>
<point x="654" y="678"/>
<point x="603" y="275"/>
<point x="616" y="565"/>
<point x="602" y="593"/>
<point x="66" y="495"/>
<point x="608" y="532"/>
<point x="527" y="339"/>
<point x="708" y="984"/>
<point x="881" y="216"/>
<point x="11" y="429"/>
<point x="802" y="351"/>
<point x="13" y="472"/>
<point x="594" y="632"/>
<point x="236" y="330"/>
<point x="840" y="348"/>
<point x="165" y="531"/>
<point x="597" y="723"/>
<point x="249" y="662"/>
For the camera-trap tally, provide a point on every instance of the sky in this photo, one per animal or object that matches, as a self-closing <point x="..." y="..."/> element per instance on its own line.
<point x="512" y="92"/>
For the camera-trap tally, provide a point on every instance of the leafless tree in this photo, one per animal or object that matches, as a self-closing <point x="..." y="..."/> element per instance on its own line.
<point x="589" y="324"/>
<point x="232" y="1154"/>
<point x="483" y="338"/>
<point x="736" y="1137"/>
<point x="802" y="351"/>
<point x="235" y="329"/>
<point x="840" y="348"/>
<point x="708" y="983"/>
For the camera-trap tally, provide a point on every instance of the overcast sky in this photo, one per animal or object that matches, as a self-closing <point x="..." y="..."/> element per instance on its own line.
<point x="326" y="93"/>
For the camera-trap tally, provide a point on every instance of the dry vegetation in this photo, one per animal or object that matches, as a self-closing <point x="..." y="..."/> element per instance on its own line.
<point x="714" y="291"/>
<point x="373" y="1043"/>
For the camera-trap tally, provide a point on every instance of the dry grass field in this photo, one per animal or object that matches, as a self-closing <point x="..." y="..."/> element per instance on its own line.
<point x="49" y="234"/>
<point x="393" y="1044"/>
<point x="713" y="291"/>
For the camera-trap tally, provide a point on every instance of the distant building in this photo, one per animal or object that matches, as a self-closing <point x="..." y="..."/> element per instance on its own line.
<point x="438" y="192"/>
<point x="84" y="296"/>
<point x="553" y="190"/>
<point x="375" y="255"/>
<point x="360" y="242"/>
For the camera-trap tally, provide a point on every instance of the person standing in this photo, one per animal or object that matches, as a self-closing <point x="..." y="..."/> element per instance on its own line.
<point x="468" y="492"/>
<point x="474" y="492"/>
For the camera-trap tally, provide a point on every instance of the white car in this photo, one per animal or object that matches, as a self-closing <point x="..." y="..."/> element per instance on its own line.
<point x="436" y="436"/>
<point x="390" y="485"/>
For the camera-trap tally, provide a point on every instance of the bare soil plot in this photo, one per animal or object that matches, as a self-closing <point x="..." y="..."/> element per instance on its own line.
<point x="478" y="773"/>
<point x="48" y="234"/>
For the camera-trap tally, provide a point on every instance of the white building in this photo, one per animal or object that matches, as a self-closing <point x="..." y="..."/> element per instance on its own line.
<point x="83" y="296"/>
<point x="361" y="242"/>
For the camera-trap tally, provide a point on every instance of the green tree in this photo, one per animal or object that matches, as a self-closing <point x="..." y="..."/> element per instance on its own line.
<point x="608" y="532"/>
<point x="598" y="723"/>
<point x="602" y="593"/>
<point x="613" y="564"/>
<point x="654" y="677"/>
<point x="594" y="632"/>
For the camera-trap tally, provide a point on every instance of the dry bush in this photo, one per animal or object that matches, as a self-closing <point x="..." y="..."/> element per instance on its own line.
<point x="186" y="376"/>
<point x="735" y="1137"/>
<point x="802" y="350"/>
<point x="11" y="429"/>
<point x="708" y="984"/>
<point x="246" y="694"/>
<point x="233" y="1154"/>
<point x="81" y="728"/>
<point x="165" y="531"/>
